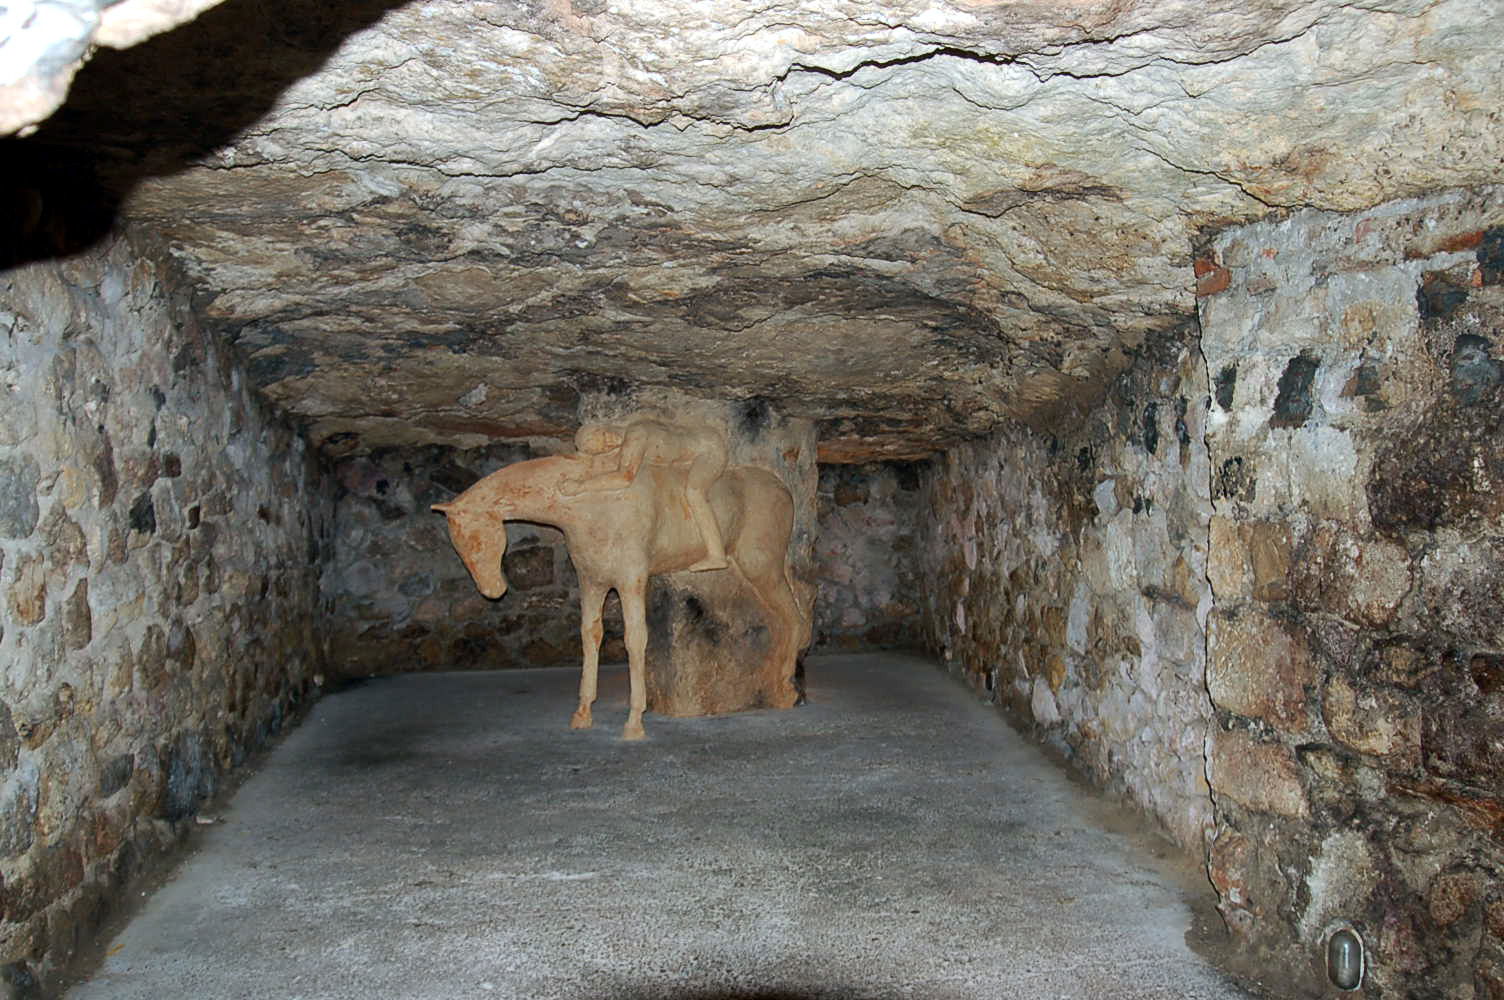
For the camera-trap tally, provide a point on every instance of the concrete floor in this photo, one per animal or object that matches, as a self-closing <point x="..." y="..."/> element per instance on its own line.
<point x="446" y="836"/>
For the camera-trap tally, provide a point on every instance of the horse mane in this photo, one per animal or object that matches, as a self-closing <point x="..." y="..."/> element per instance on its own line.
<point x="477" y="494"/>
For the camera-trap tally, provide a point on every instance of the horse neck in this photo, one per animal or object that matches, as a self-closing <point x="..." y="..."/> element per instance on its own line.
<point x="527" y="491"/>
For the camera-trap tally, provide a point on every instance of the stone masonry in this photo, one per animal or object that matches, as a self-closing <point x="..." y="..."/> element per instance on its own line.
<point x="401" y="597"/>
<point x="866" y="566"/>
<point x="1064" y="577"/>
<point x="1356" y="651"/>
<point x="161" y="542"/>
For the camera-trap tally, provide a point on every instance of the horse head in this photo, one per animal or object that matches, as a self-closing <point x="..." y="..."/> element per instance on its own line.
<point x="540" y="490"/>
<point x="480" y="537"/>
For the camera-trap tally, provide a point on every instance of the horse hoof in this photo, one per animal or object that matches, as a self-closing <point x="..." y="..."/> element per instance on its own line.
<point x="581" y="720"/>
<point x="634" y="732"/>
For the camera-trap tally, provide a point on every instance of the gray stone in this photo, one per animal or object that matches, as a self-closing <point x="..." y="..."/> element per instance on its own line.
<point x="1377" y="467"/>
<point x="143" y="516"/>
<point x="189" y="777"/>
<point x="530" y="568"/>
<point x="1474" y="370"/>
<point x="151" y="657"/>
<point x="420" y="584"/>
<point x="10" y="742"/>
<point x="63" y="538"/>
<point x="1293" y="403"/>
<point x="109" y="324"/>
<point x="19" y="475"/>
<point x="28" y="591"/>
<point x="78" y="626"/>
<point x="865" y="557"/>
<point x="1012" y="527"/>
<point x="18" y="813"/>
<point x="182" y="648"/>
<point x="44" y="42"/>
<point x="19" y="982"/>
<point x="116" y="774"/>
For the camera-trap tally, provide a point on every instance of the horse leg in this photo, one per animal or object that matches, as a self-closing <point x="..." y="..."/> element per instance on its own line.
<point x="634" y="611"/>
<point x="592" y="598"/>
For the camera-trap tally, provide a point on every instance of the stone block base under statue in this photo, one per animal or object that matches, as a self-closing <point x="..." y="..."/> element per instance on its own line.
<point x="709" y="648"/>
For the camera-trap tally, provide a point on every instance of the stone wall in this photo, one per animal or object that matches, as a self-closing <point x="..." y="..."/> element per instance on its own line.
<point x="403" y="601"/>
<point x="161" y="538"/>
<point x="865" y="564"/>
<point x="1356" y="653"/>
<point x="401" y="597"/>
<point x="1065" y="579"/>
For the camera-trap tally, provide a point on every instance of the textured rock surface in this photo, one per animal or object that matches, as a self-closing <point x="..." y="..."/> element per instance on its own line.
<point x="1066" y="578"/>
<point x="960" y="225"/>
<point x="866" y="564"/>
<point x="44" y="42"/>
<point x="401" y="597"/>
<point x="441" y="222"/>
<point x="161" y="543"/>
<point x="1356" y="654"/>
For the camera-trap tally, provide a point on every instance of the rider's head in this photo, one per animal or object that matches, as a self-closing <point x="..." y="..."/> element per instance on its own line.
<point x="597" y="439"/>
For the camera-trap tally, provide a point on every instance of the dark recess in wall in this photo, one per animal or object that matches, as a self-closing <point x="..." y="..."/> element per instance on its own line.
<point x="1293" y="403"/>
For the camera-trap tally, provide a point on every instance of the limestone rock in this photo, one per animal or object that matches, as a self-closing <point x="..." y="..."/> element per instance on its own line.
<point x="864" y="556"/>
<point x="43" y="43"/>
<point x="1257" y="669"/>
<point x="444" y="222"/>
<point x="1372" y="722"/>
<point x="1356" y="405"/>
<point x="1077" y="598"/>
<point x="1452" y="894"/>
<point x="528" y="569"/>
<point x="28" y="592"/>
<point x="1256" y="775"/>
<point x="78" y="629"/>
<point x="1363" y="580"/>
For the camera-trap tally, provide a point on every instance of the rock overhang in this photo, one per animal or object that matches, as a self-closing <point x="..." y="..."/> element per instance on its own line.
<point x="442" y="222"/>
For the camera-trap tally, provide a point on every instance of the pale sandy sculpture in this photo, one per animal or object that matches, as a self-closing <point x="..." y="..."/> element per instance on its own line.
<point x="625" y="521"/>
<point x="623" y="449"/>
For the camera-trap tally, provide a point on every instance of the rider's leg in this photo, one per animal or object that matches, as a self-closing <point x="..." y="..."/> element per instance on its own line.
<point x="702" y="475"/>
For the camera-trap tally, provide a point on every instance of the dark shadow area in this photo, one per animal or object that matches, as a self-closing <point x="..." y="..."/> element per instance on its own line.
<point x="156" y="108"/>
<point x="51" y="203"/>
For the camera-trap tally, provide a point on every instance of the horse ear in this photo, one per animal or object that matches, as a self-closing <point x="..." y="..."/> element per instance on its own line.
<point x="442" y="508"/>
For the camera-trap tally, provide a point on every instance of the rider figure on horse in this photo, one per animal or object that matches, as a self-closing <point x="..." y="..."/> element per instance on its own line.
<point x="617" y="452"/>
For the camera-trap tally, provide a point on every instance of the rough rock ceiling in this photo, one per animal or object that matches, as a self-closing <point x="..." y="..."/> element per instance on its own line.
<point x="441" y="220"/>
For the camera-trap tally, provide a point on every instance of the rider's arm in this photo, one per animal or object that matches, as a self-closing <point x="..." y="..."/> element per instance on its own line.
<point x="630" y="456"/>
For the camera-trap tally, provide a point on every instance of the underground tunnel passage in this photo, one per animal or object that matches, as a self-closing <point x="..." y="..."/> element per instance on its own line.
<point x="1132" y="370"/>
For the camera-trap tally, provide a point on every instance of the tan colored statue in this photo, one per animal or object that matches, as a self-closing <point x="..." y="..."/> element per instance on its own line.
<point x="700" y="450"/>
<point x="629" y="521"/>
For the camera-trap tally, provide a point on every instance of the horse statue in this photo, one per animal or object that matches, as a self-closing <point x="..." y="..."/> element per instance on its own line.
<point x="618" y="538"/>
